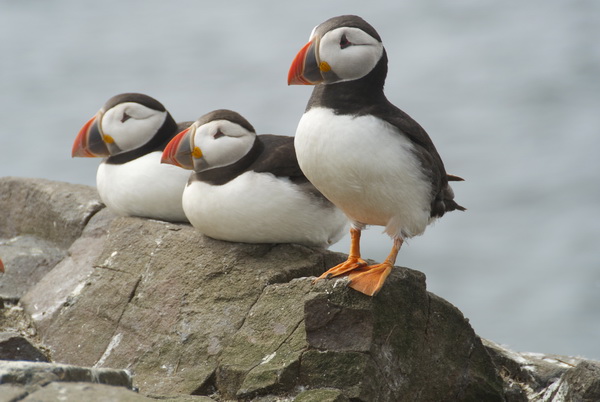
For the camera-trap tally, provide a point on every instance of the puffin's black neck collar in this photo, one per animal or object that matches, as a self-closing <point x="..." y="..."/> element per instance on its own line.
<point x="352" y="97"/>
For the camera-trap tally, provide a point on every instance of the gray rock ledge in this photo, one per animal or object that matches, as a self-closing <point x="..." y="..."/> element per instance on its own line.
<point x="196" y="319"/>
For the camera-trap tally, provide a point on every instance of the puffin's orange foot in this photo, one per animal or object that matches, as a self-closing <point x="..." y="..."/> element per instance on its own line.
<point x="369" y="280"/>
<point x="344" y="268"/>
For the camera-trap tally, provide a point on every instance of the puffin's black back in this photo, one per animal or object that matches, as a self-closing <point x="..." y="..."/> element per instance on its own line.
<point x="273" y="154"/>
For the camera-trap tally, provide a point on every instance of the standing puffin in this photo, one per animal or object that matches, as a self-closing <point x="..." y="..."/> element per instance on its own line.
<point x="249" y="188"/>
<point x="367" y="156"/>
<point x="132" y="130"/>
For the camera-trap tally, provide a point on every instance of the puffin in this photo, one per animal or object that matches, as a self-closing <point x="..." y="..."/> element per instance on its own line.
<point x="368" y="157"/>
<point x="131" y="131"/>
<point x="249" y="188"/>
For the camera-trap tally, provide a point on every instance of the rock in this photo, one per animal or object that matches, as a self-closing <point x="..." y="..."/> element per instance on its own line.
<point x="18" y="340"/>
<point x="64" y="282"/>
<point x="32" y="376"/>
<point x="11" y="393"/>
<point x="264" y="354"/>
<point x="169" y="302"/>
<point x="14" y="319"/>
<point x="540" y="377"/>
<point x="41" y="382"/>
<point x="29" y="258"/>
<point x="322" y="395"/>
<point x="194" y="318"/>
<point x="45" y="209"/>
<point x="391" y="345"/>
<point x="13" y="346"/>
<point x="41" y="220"/>
<point x="183" y="398"/>
<point x="210" y="320"/>
<point x="77" y="391"/>
<point x="581" y="383"/>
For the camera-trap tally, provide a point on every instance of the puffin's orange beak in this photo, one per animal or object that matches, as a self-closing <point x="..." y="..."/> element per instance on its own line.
<point x="305" y="68"/>
<point x="1" y="266"/>
<point x="179" y="151"/>
<point x="89" y="142"/>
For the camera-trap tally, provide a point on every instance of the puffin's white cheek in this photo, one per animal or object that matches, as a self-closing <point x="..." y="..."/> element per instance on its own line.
<point x="224" y="150"/>
<point x="355" y="62"/>
<point x="213" y="153"/>
<point x="211" y="158"/>
<point x="134" y="133"/>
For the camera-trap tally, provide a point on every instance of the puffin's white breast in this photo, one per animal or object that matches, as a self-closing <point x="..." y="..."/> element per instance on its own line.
<point x="143" y="187"/>
<point x="261" y="208"/>
<point x="367" y="168"/>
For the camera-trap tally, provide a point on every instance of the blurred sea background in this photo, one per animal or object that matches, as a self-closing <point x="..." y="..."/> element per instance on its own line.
<point x="509" y="92"/>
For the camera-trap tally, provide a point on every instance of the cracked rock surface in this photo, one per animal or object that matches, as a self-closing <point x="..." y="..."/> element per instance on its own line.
<point x="196" y="319"/>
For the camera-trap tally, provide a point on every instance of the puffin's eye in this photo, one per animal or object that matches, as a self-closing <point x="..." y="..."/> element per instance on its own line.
<point x="125" y="117"/>
<point x="344" y="42"/>
<point x="218" y="134"/>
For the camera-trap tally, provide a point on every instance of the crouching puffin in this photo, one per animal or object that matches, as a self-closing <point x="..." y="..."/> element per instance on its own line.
<point x="249" y="188"/>
<point x="131" y="131"/>
<point x="367" y="156"/>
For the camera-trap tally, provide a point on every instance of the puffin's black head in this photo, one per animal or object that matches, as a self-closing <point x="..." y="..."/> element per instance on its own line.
<point x="344" y="48"/>
<point x="226" y="114"/>
<point x="125" y="123"/>
<point x="133" y="97"/>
